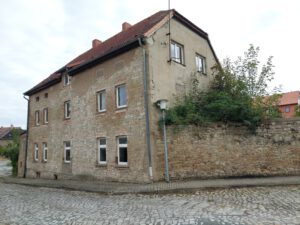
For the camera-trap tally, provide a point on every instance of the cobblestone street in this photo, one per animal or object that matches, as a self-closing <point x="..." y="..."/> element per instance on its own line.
<point x="261" y="205"/>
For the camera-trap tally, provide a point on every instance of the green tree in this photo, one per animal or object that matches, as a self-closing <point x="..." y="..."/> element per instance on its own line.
<point x="11" y="151"/>
<point x="236" y="94"/>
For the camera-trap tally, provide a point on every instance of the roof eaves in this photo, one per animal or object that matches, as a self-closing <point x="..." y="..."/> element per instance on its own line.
<point x="114" y="52"/>
<point x="42" y="87"/>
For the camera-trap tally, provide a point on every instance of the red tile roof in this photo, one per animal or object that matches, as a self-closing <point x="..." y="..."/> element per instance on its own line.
<point x="119" y="41"/>
<point x="289" y="98"/>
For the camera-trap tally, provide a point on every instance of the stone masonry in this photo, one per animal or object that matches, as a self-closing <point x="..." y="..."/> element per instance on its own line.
<point x="232" y="150"/>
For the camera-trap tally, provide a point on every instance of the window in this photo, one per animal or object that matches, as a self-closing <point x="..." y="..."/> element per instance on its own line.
<point x="45" y="152"/>
<point x="37" y="117"/>
<point x="67" y="151"/>
<point x="287" y="109"/>
<point x="66" y="79"/>
<point x="102" y="151"/>
<point x="36" y="152"/>
<point x="177" y="52"/>
<point x="121" y="96"/>
<point x="67" y="109"/>
<point x="200" y="64"/>
<point x="122" y="151"/>
<point x="101" y="101"/>
<point x="37" y="98"/>
<point x="46" y="95"/>
<point x="45" y="115"/>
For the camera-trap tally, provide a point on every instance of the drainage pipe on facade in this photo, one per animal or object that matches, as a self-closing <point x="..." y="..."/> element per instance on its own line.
<point x="146" y="105"/>
<point x="27" y="136"/>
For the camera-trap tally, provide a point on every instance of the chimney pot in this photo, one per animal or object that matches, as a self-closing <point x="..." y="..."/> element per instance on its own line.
<point x="125" y="26"/>
<point x="96" y="43"/>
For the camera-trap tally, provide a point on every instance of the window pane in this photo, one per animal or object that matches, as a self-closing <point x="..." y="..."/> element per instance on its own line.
<point x="123" y="140"/>
<point x="122" y="95"/>
<point x="102" y="141"/>
<point x="102" y="154"/>
<point x="68" y="155"/>
<point x="123" y="154"/>
<point x="45" y="154"/>
<point x="101" y="101"/>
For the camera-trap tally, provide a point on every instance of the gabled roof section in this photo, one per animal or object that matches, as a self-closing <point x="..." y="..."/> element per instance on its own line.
<point x="118" y="44"/>
<point x="289" y="98"/>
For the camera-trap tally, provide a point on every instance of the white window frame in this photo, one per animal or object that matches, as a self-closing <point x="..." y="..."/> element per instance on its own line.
<point x="67" y="79"/>
<point x="101" y="104"/>
<point x="102" y="147"/>
<point x="177" y="52"/>
<point x="46" y="119"/>
<point x="200" y="61"/>
<point x="37" y="117"/>
<point x="118" y="94"/>
<point x="67" y="148"/>
<point x="122" y="146"/>
<point x="36" y="152"/>
<point x="45" y="152"/>
<point x="67" y="109"/>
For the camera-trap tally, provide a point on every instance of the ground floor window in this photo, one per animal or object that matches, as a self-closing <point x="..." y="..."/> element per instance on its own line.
<point x="102" y="151"/>
<point x="67" y="151"/>
<point x="122" y="150"/>
<point x="36" y="152"/>
<point x="45" y="152"/>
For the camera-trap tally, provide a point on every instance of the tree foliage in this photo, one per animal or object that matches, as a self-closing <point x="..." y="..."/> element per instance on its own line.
<point x="11" y="151"/>
<point x="237" y="94"/>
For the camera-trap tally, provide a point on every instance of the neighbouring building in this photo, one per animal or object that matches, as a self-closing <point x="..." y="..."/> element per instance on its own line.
<point x="97" y="115"/>
<point x="6" y="135"/>
<point x="288" y="103"/>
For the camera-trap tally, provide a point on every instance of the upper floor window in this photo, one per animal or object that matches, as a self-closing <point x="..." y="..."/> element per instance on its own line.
<point x="37" y="117"/>
<point x="67" y="151"/>
<point x="67" y="108"/>
<point x="122" y="150"/>
<point x="45" y="152"/>
<point x="36" y="152"/>
<point x="177" y="52"/>
<point x="101" y="101"/>
<point x="37" y="98"/>
<point x="102" y="151"/>
<point x="200" y="64"/>
<point x="67" y="79"/>
<point x="121" y="96"/>
<point x="45" y="111"/>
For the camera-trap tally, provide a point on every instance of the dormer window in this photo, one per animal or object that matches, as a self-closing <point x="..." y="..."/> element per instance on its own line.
<point x="66" y="79"/>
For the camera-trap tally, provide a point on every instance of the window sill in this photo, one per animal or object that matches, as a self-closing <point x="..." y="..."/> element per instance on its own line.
<point x="67" y="162"/>
<point x="100" y="112"/>
<point x="67" y="118"/>
<point x="121" y="109"/>
<point x="122" y="166"/>
<point x="171" y="60"/>
<point x="44" y="161"/>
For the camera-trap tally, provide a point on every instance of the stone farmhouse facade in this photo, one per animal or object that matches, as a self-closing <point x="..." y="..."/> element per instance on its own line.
<point x="97" y="115"/>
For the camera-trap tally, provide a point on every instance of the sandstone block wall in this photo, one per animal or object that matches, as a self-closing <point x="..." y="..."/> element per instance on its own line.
<point x="232" y="150"/>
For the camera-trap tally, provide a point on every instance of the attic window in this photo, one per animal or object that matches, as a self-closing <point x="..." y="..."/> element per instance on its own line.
<point x="67" y="79"/>
<point x="37" y="98"/>
<point x="46" y="95"/>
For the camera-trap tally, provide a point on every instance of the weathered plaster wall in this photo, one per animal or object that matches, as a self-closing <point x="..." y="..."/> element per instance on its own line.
<point x="230" y="151"/>
<point x="86" y="124"/>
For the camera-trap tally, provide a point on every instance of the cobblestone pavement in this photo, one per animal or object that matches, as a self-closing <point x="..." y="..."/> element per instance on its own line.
<point x="261" y="205"/>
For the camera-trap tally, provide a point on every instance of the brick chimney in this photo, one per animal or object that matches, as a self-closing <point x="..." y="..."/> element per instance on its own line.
<point x="125" y="26"/>
<point x="96" y="43"/>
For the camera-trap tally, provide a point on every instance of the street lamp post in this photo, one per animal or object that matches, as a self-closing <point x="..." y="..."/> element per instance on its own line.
<point x="163" y="105"/>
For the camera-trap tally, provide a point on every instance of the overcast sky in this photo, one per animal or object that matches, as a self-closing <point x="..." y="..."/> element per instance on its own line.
<point x="38" y="37"/>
